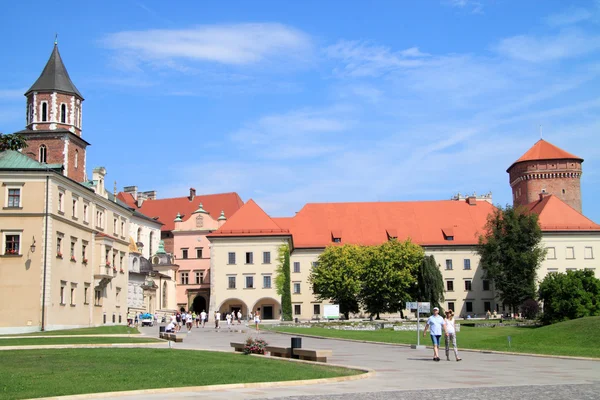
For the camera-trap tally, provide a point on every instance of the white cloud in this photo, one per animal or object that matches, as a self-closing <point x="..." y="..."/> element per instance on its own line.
<point x="239" y="44"/>
<point x="474" y="6"/>
<point x="566" y="44"/>
<point x="569" y="17"/>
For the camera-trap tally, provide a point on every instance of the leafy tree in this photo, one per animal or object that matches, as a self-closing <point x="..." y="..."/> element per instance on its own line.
<point x="283" y="282"/>
<point x="572" y="295"/>
<point x="389" y="276"/>
<point x="336" y="277"/>
<point x="530" y="309"/>
<point x="12" y="142"/>
<point x="510" y="253"/>
<point x="430" y="283"/>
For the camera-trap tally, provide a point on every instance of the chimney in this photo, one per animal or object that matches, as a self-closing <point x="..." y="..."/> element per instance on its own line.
<point x="131" y="189"/>
<point x="98" y="176"/>
<point x="150" y="194"/>
<point x="192" y="194"/>
<point x="472" y="200"/>
<point x="543" y="194"/>
<point x="140" y="199"/>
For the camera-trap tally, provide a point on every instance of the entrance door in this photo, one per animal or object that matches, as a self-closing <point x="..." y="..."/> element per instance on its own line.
<point x="267" y="312"/>
<point x="199" y="304"/>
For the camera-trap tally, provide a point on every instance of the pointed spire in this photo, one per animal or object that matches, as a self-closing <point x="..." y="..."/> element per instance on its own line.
<point x="222" y="217"/>
<point x="54" y="77"/>
<point x="56" y="39"/>
<point x="178" y="218"/>
<point x="200" y="210"/>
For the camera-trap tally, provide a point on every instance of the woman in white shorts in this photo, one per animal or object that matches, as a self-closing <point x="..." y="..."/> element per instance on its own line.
<point x="257" y="319"/>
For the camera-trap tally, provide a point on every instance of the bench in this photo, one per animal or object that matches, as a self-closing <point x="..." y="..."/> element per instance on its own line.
<point x="313" y="355"/>
<point x="238" y="346"/>
<point x="285" y="352"/>
<point x="170" y="336"/>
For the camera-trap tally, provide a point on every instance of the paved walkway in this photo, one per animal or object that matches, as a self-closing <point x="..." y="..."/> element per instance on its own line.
<point x="410" y="371"/>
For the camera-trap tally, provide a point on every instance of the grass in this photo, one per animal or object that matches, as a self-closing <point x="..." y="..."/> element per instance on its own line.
<point x="98" y="330"/>
<point x="570" y="338"/>
<point x="39" y="373"/>
<point x="25" y="341"/>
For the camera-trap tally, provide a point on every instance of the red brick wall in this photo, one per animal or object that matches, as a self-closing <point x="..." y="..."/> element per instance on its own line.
<point x="167" y="237"/>
<point x="60" y="98"/>
<point x="55" y="155"/>
<point x="567" y="188"/>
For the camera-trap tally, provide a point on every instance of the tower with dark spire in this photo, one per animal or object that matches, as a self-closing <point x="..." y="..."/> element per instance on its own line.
<point x="53" y="130"/>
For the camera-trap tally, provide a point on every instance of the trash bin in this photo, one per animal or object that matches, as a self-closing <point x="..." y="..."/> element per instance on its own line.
<point x="161" y="329"/>
<point x="296" y="344"/>
<point x="296" y="320"/>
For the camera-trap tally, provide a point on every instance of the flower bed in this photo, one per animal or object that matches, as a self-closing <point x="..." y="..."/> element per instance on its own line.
<point x="255" y="346"/>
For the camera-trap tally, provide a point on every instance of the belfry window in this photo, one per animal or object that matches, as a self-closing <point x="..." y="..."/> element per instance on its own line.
<point x="63" y="113"/>
<point x="43" y="152"/>
<point x="76" y="158"/>
<point x="44" y="111"/>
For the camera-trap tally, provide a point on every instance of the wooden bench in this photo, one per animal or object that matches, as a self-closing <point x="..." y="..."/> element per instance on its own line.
<point x="238" y="346"/>
<point x="170" y="336"/>
<point x="313" y="355"/>
<point x="285" y="352"/>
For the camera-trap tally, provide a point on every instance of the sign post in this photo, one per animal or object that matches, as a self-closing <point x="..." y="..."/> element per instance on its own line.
<point x="419" y="307"/>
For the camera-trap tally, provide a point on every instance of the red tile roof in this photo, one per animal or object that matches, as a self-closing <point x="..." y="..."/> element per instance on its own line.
<point x="167" y="209"/>
<point x="556" y="215"/>
<point x="543" y="150"/>
<point x="250" y="220"/>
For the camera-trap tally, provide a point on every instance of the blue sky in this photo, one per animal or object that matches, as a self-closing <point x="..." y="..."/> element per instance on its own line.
<point x="306" y="101"/>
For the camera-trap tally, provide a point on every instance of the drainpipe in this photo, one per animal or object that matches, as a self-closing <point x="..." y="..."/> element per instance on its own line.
<point x="45" y="258"/>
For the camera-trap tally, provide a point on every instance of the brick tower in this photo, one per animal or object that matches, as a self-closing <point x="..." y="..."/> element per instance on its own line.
<point x="53" y="129"/>
<point x="546" y="169"/>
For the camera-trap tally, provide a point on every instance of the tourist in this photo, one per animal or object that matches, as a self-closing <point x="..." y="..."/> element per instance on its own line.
<point x="177" y="321"/>
<point x="195" y="319"/>
<point x="136" y="320"/>
<point x="170" y="327"/>
<point x="217" y="318"/>
<point x="239" y="317"/>
<point x="257" y="319"/>
<point x="435" y="324"/>
<point x="488" y="314"/>
<point x="229" y="317"/>
<point x="189" y="321"/>
<point x="450" y="325"/>
<point x="203" y="316"/>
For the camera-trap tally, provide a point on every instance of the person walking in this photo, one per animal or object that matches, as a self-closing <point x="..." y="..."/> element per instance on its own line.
<point x="229" y="317"/>
<point x="257" y="319"/>
<point x="451" y="335"/>
<point x="239" y="316"/>
<point x="217" y="319"/>
<point x="435" y="324"/>
<point x="203" y="317"/>
<point x="189" y="321"/>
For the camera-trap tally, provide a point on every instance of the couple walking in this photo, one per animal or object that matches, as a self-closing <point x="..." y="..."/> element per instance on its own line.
<point x="435" y="324"/>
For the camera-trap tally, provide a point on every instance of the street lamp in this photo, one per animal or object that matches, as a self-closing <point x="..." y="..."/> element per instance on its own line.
<point x="32" y="247"/>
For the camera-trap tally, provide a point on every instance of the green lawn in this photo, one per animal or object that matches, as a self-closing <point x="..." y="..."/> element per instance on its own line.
<point x="40" y="373"/>
<point x="98" y="330"/>
<point x="570" y="338"/>
<point x="25" y="341"/>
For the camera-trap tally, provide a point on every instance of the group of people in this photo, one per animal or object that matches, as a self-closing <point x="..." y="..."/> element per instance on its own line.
<point x="436" y="325"/>
<point x="188" y="319"/>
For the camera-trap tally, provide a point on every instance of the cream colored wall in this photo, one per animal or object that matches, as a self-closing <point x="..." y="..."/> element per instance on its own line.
<point x="147" y="228"/>
<point x="561" y="263"/>
<point x="306" y="298"/>
<point x="221" y="296"/>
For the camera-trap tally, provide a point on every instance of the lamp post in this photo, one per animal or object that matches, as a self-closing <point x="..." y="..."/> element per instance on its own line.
<point x="32" y="247"/>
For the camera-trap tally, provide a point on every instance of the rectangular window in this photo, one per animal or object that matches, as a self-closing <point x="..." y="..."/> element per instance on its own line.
<point x="100" y="219"/>
<point x="588" y="253"/>
<point x="72" y="250"/>
<point x="552" y="270"/>
<point x="74" y="209"/>
<point x="199" y="277"/>
<point x="59" y="247"/>
<point x="14" y="198"/>
<point x="114" y="260"/>
<point x="249" y="258"/>
<point x="467" y="285"/>
<point x="297" y="309"/>
<point x="97" y="297"/>
<point x="85" y="213"/>
<point x="198" y="252"/>
<point x="73" y="294"/>
<point x="570" y="253"/>
<point x="550" y="253"/>
<point x="115" y="226"/>
<point x="469" y="306"/>
<point x="12" y="244"/>
<point x="296" y="267"/>
<point x="486" y="284"/>
<point x="316" y="309"/>
<point x="63" y="287"/>
<point x="467" y="263"/>
<point x="487" y="306"/>
<point x="121" y="258"/>
<point x="314" y="264"/>
<point x="184" y="253"/>
<point x="266" y="257"/>
<point x="267" y="282"/>
<point x="122" y="233"/>
<point x="231" y="282"/>
<point x="249" y="282"/>
<point x="449" y="286"/>
<point x="86" y="291"/>
<point x="185" y="278"/>
<point x="231" y="258"/>
<point x="296" y="287"/>
<point x="448" y="264"/>
<point x="61" y="196"/>
<point x="118" y="296"/>
<point x="451" y="305"/>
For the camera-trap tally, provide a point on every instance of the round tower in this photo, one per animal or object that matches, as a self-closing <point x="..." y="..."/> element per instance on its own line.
<point x="546" y="170"/>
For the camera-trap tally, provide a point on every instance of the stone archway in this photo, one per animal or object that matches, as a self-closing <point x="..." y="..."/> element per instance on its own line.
<point x="199" y="304"/>
<point x="268" y="307"/>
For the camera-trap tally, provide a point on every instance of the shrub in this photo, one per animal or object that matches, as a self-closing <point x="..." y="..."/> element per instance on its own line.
<point x="530" y="309"/>
<point x="255" y="346"/>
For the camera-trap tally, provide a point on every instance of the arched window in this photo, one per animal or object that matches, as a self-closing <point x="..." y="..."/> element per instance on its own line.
<point x="29" y="113"/>
<point x="63" y="113"/>
<point x="139" y="235"/>
<point x="164" y="295"/>
<point x="76" y="158"/>
<point x="150" y="250"/>
<point x="44" y="111"/>
<point x="42" y="153"/>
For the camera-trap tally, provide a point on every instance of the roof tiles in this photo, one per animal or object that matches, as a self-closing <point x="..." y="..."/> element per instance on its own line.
<point x="543" y="150"/>
<point x="556" y="215"/>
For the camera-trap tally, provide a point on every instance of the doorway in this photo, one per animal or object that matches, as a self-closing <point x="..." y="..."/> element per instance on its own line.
<point x="199" y="304"/>
<point x="267" y="312"/>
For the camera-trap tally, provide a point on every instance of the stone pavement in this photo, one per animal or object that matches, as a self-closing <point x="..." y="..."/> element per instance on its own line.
<point x="410" y="371"/>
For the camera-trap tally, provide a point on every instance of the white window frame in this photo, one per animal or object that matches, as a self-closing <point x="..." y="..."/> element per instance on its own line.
<point x="296" y="263"/>
<point x="297" y="285"/>
<point x="17" y="233"/>
<point x="567" y="253"/>
<point x="13" y="186"/>
<point x="270" y="282"/>
<point x="585" y="255"/>
<point x="42" y="112"/>
<point x="246" y="282"/>
<point x="86" y="212"/>
<point x="300" y="308"/>
<point x="234" y="282"/>
<point x="60" y="118"/>
<point x="61" y="200"/>
<point x="550" y="251"/>
<point x="184" y="278"/>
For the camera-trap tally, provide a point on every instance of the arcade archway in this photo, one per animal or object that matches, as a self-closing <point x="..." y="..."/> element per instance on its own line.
<point x="199" y="304"/>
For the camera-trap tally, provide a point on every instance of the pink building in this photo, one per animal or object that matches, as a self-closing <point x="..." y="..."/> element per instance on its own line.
<point x="192" y="251"/>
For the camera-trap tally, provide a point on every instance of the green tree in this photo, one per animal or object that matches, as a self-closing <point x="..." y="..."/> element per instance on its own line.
<point x="510" y="253"/>
<point x="572" y="295"/>
<point x="283" y="281"/>
<point x="336" y="277"/>
<point x="389" y="277"/>
<point x="12" y="142"/>
<point x="430" y="283"/>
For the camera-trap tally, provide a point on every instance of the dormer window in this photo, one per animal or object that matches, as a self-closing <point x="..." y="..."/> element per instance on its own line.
<point x="63" y="113"/>
<point x="44" y="111"/>
<point x="392" y="233"/>
<point x="336" y="236"/>
<point x="448" y="233"/>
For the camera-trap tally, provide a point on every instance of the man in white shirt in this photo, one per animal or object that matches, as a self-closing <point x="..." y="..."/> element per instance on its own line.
<point x="170" y="327"/>
<point x="217" y="319"/>
<point x="239" y="315"/>
<point x="228" y="318"/>
<point x="203" y="317"/>
<point x="435" y="324"/>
